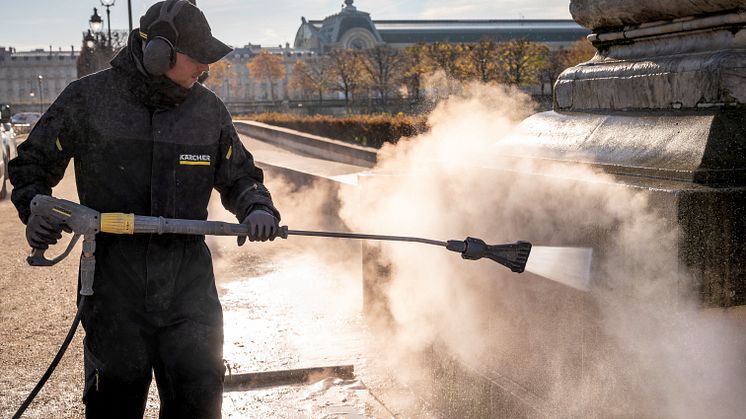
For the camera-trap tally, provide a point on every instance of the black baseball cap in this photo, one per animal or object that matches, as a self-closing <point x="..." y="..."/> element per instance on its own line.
<point x="194" y="37"/>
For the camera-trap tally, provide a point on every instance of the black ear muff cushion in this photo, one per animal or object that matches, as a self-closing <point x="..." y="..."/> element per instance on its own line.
<point x="158" y="56"/>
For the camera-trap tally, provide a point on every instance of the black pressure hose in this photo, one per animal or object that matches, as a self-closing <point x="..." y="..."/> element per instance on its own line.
<point x="55" y="361"/>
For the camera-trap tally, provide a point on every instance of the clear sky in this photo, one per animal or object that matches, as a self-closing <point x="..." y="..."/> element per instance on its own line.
<point x="30" y="24"/>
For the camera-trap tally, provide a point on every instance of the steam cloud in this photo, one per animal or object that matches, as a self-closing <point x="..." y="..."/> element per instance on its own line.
<point x="636" y="345"/>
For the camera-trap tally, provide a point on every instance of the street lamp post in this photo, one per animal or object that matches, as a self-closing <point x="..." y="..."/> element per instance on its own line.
<point x="108" y="4"/>
<point x="96" y="23"/>
<point x="89" y="40"/>
<point x="129" y="12"/>
<point x="98" y="47"/>
<point x="41" y="94"/>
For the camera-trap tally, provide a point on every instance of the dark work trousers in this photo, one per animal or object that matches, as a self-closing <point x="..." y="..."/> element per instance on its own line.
<point x="167" y="322"/>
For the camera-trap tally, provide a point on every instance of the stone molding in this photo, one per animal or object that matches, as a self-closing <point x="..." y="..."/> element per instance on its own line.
<point x="693" y="63"/>
<point x="661" y="29"/>
<point x="598" y="14"/>
<point x="691" y="81"/>
<point x="696" y="147"/>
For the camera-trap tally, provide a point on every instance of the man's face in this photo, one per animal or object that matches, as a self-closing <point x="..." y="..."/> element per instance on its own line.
<point x="186" y="71"/>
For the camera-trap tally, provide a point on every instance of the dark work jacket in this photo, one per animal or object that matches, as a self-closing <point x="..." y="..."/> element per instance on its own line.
<point x="146" y="146"/>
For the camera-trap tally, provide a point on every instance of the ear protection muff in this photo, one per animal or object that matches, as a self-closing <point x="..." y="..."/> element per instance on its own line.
<point x="159" y="52"/>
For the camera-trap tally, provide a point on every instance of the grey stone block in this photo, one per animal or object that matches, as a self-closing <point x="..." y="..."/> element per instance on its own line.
<point x="595" y="14"/>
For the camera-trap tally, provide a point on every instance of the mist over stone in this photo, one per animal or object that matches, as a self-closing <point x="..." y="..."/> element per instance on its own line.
<point x="641" y="160"/>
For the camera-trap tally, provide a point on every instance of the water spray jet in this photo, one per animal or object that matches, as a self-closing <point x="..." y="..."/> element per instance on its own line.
<point x="569" y="266"/>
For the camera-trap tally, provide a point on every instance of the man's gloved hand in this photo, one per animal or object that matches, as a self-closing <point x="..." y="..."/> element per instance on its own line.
<point x="40" y="233"/>
<point x="262" y="226"/>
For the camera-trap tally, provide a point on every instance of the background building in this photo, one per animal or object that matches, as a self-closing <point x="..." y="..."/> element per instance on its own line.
<point x="31" y="80"/>
<point x="352" y="28"/>
<point x="20" y="81"/>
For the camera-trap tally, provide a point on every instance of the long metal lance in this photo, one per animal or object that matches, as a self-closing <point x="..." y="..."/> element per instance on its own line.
<point x="365" y="237"/>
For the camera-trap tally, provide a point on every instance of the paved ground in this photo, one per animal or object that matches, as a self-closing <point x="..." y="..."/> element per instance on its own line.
<point x="36" y="309"/>
<point x="287" y="305"/>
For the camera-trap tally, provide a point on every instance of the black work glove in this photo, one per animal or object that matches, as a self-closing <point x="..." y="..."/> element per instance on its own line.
<point x="40" y="233"/>
<point x="262" y="226"/>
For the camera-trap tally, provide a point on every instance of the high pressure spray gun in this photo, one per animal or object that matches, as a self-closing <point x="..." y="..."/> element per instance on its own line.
<point x="86" y="222"/>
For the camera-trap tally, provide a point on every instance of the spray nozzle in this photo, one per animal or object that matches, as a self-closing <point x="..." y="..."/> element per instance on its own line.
<point x="511" y="255"/>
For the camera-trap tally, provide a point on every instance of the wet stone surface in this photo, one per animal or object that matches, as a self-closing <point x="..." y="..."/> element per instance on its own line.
<point x="291" y="313"/>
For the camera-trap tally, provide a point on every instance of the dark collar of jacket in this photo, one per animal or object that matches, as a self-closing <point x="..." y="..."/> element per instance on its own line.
<point x="155" y="92"/>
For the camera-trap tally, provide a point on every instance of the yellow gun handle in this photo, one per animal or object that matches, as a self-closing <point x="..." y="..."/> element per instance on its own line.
<point x="117" y="223"/>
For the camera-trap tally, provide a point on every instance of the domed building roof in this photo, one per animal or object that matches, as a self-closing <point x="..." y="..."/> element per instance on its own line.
<point x="349" y="29"/>
<point x="352" y="28"/>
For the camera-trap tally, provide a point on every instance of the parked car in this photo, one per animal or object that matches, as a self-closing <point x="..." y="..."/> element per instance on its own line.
<point x="24" y="121"/>
<point x="10" y="140"/>
<point x="25" y="118"/>
<point x="8" y="152"/>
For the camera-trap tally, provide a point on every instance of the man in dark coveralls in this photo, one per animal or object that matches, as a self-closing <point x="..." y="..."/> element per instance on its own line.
<point x="149" y="144"/>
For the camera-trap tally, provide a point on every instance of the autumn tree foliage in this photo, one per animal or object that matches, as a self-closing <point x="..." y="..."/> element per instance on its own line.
<point x="521" y="61"/>
<point x="580" y="51"/>
<point x="311" y="75"/>
<point x="298" y="80"/>
<point x="446" y="57"/>
<point x="517" y="62"/>
<point x="383" y="71"/>
<point x="480" y="61"/>
<point x="415" y="69"/>
<point x="560" y="59"/>
<point x="222" y="79"/>
<point x="267" y="67"/>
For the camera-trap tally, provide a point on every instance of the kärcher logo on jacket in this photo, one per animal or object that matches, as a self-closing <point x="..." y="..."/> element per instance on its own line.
<point x="194" y="159"/>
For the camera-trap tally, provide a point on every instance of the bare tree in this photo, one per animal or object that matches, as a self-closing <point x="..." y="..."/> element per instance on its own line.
<point x="347" y="72"/>
<point x="311" y="75"/>
<point x="554" y="64"/>
<point x="92" y="60"/>
<point x="99" y="55"/>
<point x="384" y="65"/>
